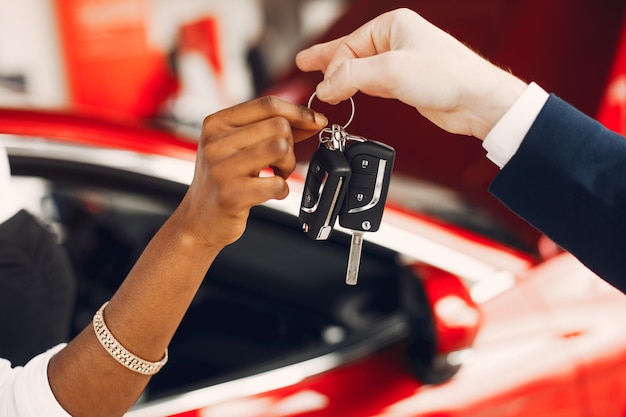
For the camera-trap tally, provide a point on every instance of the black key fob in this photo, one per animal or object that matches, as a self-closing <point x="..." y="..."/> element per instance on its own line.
<point x="324" y="191"/>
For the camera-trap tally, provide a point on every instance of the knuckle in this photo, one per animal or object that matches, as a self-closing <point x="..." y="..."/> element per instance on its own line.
<point x="279" y="146"/>
<point x="210" y="150"/>
<point x="282" y="189"/>
<point x="209" y="121"/>
<point x="271" y="103"/>
<point x="281" y="125"/>
<point x="405" y="16"/>
<point x="280" y="156"/>
<point x="213" y="128"/>
<point x="279" y="188"/>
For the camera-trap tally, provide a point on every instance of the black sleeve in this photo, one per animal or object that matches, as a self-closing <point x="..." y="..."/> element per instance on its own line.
<point x="37" y="289"/>
<point x="568" y="179"/>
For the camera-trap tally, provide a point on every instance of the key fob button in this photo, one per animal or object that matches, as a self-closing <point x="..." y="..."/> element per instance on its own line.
<point x="359" y="197"/>
<point x="364" y="164"/>
<point x="312" y="191"/>
<point x="317" y="170"/>
<point x="309" y="198"/>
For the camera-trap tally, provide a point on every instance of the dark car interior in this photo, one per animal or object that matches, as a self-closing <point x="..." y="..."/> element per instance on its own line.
<point x="273" y="297"/>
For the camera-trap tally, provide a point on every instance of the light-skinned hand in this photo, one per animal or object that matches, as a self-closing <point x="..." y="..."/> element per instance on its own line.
<point x="401" y="55"/>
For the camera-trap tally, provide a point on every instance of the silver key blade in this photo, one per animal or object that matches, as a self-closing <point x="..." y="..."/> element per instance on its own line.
<point x="354" y="258"/>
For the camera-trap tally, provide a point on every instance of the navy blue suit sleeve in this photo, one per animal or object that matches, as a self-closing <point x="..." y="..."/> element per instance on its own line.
<point x="568" y="179"/>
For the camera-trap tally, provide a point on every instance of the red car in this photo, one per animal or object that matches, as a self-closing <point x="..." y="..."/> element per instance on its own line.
<point x="443" y="322"/>
<point x="458" y="311"/>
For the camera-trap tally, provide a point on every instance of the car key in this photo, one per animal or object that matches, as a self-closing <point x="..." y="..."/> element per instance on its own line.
<point x="324" y="190"/>
<point x="371" y="163"/>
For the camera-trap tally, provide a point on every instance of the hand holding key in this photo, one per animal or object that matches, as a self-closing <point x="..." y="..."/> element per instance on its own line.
<point x="401" y="55"/>
<point x="349" y="180"/>
<point x="236" y="144"/>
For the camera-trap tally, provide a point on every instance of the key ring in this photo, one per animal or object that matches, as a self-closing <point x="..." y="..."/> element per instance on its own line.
<point x="351" y="105"/>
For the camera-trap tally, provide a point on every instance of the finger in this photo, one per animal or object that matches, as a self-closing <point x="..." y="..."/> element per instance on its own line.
<point x="302" y="133"/>
<point x="267" y="188"/>
<point x="368" y="40"/>
<point x="359" y="44"/>
<point x="276" y="152"/>
<point x="359" y="75"/>
<point x="236" y="139"/>
<point x="300" y="117"/>
<point x="317" y="57"/>
<point x="250" y="192"/>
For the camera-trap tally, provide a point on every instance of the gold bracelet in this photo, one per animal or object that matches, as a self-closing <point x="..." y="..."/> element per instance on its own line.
<point x="119" y="352"/>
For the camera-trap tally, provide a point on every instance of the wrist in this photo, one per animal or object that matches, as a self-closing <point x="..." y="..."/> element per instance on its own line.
<point x="495" y="98"/>
<point x="197" y="228"/>
<point x="188" y="235"/>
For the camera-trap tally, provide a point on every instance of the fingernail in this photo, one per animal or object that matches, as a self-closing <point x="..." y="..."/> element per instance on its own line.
<point x="320" y="119"/>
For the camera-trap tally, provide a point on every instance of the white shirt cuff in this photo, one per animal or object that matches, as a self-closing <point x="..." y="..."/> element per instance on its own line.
<point x="25" y="391"/>
<point x="506" y="136"/>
